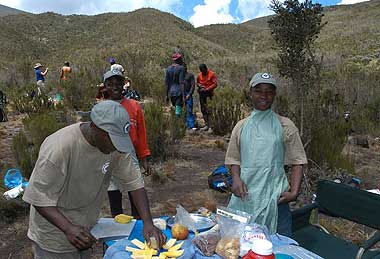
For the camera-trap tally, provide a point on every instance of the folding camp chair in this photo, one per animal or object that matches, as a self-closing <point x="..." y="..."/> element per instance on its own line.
<point x="343" y="201"/>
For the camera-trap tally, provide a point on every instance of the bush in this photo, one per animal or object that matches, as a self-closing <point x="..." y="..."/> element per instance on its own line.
<point x="162" y="130"/>
<point x="155" y="127"/>
<point x="327" y="144"/>
<point x="26" y="145"/>
<point x="226" y="109"/>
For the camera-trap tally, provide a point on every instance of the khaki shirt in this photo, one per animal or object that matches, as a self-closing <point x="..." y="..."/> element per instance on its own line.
<point x="73" y="176"/>
<point x="294" y="151"/>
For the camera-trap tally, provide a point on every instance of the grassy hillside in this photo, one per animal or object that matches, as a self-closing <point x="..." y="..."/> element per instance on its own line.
<point x="146" y="37"/>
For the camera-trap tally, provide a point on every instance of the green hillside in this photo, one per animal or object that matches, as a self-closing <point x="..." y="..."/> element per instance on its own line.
<point x="146" y="37"/>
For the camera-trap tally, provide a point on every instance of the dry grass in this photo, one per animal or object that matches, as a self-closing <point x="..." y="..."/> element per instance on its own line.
<point x="346" y="229"/>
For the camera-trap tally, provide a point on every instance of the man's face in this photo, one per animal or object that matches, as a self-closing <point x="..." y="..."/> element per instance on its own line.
<point x="103" y="141"/>
<point x="262" y="96"/>
<point x="114" y="87"/>
<point x="204" y="71"/>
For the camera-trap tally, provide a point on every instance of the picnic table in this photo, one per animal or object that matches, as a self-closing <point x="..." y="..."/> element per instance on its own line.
<point x="115" y="249"/>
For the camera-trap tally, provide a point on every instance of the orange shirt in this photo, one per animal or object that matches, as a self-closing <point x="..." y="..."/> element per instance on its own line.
<point x="137" y="130"/>
<point x="64" y="72"/>
<point x="209" y="82"/>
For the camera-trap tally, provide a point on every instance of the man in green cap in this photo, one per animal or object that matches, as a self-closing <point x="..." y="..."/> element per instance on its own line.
<point x="70" y="180"/>
<point x="259" y="147"/>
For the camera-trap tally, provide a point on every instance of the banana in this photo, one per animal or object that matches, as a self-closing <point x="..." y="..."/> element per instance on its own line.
<point x="123" y="219"/>
<point x="138" y="243"/>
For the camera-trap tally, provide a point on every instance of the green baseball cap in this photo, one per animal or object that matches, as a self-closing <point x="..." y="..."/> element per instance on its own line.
<point x="262" y="78"/>
<point x="111" y="117"/>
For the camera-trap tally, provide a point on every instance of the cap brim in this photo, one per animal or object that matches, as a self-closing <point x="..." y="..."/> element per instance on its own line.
<point x="122" y="144"/>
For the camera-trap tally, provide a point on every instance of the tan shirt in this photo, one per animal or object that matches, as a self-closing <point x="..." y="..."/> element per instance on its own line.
<point x="73" y="175"/>
<point x="294" y="151"/>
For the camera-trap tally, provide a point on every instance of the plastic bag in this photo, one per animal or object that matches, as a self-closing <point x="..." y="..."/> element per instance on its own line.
<point x="12" y="178"/>
<point x="250" y="233"/>
<point x="207" y="243"/>
<point x="184" y="218"/>
<point x="228" y="246"/>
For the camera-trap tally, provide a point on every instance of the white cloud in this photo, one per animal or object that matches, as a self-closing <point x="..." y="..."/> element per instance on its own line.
<point x="250" y="9"/>
<point x="90" y="7"/>
<point x="211" y="12"/>
<point x="344" y="2"/>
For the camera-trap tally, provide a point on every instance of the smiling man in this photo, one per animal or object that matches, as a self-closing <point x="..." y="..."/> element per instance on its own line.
<point x="259" y="148"/>
<point x="70" y="180"/>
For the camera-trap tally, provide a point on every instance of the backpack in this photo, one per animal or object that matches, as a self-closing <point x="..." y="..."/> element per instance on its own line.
<point x="220" y="179"/>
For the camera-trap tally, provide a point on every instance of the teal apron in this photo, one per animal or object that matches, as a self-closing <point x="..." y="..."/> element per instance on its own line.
<point x="262" y="168"/>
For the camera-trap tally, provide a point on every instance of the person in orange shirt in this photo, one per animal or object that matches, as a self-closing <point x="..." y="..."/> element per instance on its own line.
<point x="137" y="132"/>
<point x="206" y="83"/>
<point x="65" y="70"/>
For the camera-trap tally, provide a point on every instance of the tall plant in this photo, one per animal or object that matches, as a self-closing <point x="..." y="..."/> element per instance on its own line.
<point x="295" y="27"/>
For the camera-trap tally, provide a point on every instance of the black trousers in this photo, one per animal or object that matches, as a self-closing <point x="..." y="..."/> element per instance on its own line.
<point x="116" y="205"/>
<point x="203" y="96"/>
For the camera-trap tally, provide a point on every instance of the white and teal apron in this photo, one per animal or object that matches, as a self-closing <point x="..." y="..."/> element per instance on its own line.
<point x="262" y="167"/>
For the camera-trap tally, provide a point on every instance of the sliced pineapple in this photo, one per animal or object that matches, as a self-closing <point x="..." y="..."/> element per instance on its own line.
<point x="170" y="243"/>
<point x="123" y="219"/>
<point x="176" y="247"/>
<point x="138" y="243"/>
<point x="174" y="254"/>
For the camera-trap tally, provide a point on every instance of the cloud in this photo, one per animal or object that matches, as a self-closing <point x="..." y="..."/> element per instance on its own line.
<point x="250" y="9"/>
<point x="345" y="2"/>
<point x="91" y="7"/>
<point x="211" y="12"/>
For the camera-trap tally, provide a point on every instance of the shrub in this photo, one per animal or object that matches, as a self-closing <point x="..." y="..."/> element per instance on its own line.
<point x="162" y="130"/>
<point x="26" y="145"/>
<point x="226" y="109"/>
<point x="155" y="126"/>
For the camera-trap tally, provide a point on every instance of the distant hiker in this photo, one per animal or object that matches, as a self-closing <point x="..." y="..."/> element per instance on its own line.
<point x="115" y="66"/>
<point x="206" y="82"/>
<point x="189" y="87"/>
<point x="40" y="78"/>
<point x="113" y="83"/>
<point x="259" y="147"/>
<point x="174" y="81"/>
<point x="129" y="92"/>
<point x="102" y="94"/>
<point x="69" y="182"/>
<point x="65" y="70"/>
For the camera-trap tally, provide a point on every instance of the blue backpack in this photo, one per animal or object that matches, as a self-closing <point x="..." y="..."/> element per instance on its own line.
<point x="220" y="179"/>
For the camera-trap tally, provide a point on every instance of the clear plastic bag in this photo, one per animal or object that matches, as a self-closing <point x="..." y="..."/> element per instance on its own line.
<point x="184" y="218"/>
<point x="207" y="243"/>
<point x="249" y="234"/>
<point x="231" y="230"/>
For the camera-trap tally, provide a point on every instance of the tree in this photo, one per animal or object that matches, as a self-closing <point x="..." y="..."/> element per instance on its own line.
<point x="295" y="27"/>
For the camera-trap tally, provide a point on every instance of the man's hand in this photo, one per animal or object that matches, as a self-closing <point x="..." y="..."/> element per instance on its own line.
<point x="239" y="188"/>
<point x="287" y="197"/>
<point x="151" y="231"/>
<point x="80" y="237"/>
<point x="187" y="97"/>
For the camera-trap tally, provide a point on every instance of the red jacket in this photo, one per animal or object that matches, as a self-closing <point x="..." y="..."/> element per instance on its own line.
<point x="137" y="130"/>
<point x="209" y="82"/>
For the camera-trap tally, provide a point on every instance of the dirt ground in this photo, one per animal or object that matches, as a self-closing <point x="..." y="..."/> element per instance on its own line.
<point x="182" y="180"/>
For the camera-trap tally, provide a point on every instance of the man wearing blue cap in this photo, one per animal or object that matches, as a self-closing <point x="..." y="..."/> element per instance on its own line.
<point x="70" y="180"/>
<point x="259" y="147"/>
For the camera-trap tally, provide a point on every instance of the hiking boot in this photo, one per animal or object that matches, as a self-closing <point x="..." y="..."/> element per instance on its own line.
<point x="210" y="131"/>
<point x="194" y="129"/>
<point x="204" y="128"/>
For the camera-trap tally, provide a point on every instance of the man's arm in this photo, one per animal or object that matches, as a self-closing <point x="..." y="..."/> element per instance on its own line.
<point x="239" y="188"/>
<point x="192" y="88"/>
<point x="78" y="236"/>
<point x="295" y="185"/>
<point x="140" y="200"/>
<point x="167" y="84"/>
<point x="214" y="84"/>
<point x="44" y="73"/>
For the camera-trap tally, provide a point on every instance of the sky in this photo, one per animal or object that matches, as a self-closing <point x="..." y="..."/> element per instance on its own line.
<point x="197" y="12"/>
